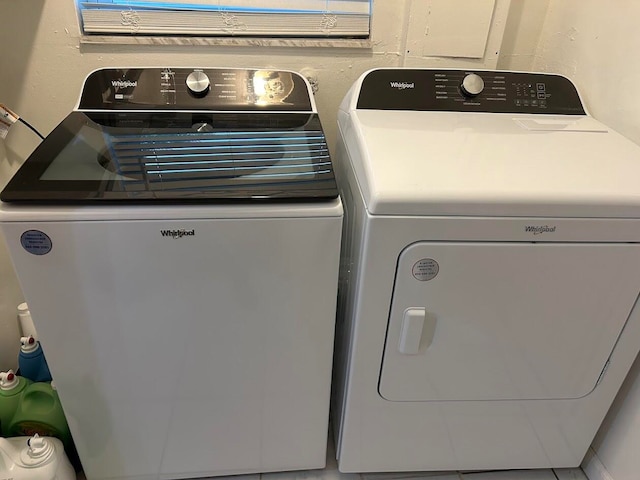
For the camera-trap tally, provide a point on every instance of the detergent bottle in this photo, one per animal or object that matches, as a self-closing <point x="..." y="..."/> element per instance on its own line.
<point x="34" y="458"/>
<point x="31" y="360"/>
<point x="25" y="320"/>
<point x="39" y="411"/>
<point x="11" y="389"/>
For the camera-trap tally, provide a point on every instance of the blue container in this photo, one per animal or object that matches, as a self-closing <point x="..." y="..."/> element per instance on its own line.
<point x="31" y="361"/>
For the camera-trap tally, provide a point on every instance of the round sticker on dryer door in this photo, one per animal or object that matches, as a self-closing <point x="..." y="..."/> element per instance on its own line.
<point x="425" y="269"/>
<point x="36" y="242"/>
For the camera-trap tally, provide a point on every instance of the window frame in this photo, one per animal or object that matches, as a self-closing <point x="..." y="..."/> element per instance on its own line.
<point x="224" y="41"/>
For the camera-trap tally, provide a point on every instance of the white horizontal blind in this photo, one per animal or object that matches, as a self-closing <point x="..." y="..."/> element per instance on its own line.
<point x="262" y="18"/>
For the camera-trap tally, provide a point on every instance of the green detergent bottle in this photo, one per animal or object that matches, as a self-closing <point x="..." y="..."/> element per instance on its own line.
<point x="11" y="389"/>
<point x="39" y="411"/>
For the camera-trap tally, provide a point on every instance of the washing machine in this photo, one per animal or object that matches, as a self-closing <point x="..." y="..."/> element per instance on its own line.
<point x="490" y="271"/>
<point x="177" y="240"/>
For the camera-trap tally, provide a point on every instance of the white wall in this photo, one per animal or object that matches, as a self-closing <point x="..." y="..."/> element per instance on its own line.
<point x="10" y="294"/>
<point x="522" y="34"/>
<point x="596" y="44"/>
<point x="43" y="64"/>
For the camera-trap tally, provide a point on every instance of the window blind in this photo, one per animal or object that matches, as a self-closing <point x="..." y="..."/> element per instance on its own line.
<point x="264" y="18"/>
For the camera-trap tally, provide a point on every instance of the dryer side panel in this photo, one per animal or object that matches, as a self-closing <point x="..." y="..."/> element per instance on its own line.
<point x="505" y="321"/>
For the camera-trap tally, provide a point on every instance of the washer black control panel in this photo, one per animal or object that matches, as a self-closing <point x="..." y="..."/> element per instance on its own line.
<point x="469" y="91"/>
<point x="194" y="89"/>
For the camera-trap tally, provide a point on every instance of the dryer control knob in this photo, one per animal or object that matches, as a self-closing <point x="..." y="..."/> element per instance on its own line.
<point x="198" y="83"/>
<point x="472" y="85"/>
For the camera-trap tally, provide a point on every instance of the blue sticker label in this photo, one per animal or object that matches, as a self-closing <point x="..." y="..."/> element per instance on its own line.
<point x="36" y="242"/>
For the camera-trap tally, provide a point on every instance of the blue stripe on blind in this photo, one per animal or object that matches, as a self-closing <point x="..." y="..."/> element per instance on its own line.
<point x="320" y="6"/>
<point x="273" y="18"/>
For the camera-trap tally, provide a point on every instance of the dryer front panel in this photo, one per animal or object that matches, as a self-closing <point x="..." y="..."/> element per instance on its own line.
<point x="505" y="321"/>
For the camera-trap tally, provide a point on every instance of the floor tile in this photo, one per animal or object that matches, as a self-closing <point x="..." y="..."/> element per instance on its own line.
<point x="436" y="476"/>
<point x="511" y="475"/>
<point x="330" y="472"/>
<point x="253" y="476"/>
<point x="570" y="474"/>
<point x="309" y="475"/>
<point x="411" y="476"/>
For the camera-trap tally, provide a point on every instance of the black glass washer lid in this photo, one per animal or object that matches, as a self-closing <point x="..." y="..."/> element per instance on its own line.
<point x="178" y="157"/>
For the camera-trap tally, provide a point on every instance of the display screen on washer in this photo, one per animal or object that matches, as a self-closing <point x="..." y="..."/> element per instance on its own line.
<point x="138" y="156"/>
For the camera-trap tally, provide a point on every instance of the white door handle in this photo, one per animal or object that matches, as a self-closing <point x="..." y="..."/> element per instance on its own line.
<point x="417" y="330"/>
<point x="411" y="330"/>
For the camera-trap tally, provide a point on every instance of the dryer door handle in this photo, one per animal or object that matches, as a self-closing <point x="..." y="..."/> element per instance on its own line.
<point x="416" y="331"/>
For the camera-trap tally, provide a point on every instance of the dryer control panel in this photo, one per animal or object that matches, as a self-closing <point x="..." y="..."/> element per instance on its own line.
<point x="469" y="91"/>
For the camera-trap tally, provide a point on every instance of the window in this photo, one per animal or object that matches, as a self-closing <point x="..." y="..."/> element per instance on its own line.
<point x="227" y="18"/>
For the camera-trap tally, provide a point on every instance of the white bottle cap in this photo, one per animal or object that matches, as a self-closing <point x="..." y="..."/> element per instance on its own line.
<point x="8" y="380"/>
<point x="26" y="322"/>
<point x="38" y="446"/>
<point x="39" y="450"/>
<point x="29" y="344"/>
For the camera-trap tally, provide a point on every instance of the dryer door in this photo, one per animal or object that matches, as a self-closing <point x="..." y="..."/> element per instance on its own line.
<point x="490" y="321"/>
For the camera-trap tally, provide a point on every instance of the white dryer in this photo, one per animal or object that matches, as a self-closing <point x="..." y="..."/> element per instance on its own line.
<point x="490" y="272"/>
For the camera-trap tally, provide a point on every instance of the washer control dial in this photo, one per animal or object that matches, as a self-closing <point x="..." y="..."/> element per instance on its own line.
<point x="198" y="83"/>
<point x="472" y="85"/>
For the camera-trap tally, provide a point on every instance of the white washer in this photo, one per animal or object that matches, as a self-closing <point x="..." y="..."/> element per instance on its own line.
<point x="491" y="267"/>
<point x="179" y="252"/>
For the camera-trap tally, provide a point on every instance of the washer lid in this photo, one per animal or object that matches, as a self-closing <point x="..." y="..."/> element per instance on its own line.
<point x="477" y="164"/>
<point x="178" y="157"/>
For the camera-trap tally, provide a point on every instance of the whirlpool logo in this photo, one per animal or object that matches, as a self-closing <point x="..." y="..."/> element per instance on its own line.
<point x="539" y="229"/>
<point x="178" y="233"/>
<point x="402" y="85"/>
<point x="124" y="83"/>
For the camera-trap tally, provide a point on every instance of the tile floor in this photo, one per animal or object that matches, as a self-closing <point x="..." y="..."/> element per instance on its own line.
<point x="331" y="473"/>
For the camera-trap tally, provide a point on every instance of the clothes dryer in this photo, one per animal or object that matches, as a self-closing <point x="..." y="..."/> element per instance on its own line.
<point x="490" y="271"/>
<point x="177" y="239"/>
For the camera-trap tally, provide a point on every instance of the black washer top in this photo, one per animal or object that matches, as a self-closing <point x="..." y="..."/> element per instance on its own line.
<point x="246" y="146"/>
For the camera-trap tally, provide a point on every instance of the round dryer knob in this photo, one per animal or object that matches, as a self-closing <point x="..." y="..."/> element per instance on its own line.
<point x="472" y="85"/>
<point x="198" y="83"/>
